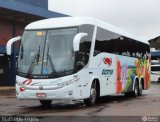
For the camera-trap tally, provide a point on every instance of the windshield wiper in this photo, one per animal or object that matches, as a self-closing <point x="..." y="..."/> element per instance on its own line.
<point x="38" y="55"/>
<point x="35" y="61"/>
<point x="22" y="51"/>
<point x="47" y="55"/>
<point x="51" y="62"/>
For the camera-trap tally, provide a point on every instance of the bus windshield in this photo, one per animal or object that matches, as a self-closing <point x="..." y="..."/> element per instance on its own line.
<point x="46" y="53"/>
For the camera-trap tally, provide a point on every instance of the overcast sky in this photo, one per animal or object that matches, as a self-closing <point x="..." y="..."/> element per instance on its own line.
<point x="139" y="17"/>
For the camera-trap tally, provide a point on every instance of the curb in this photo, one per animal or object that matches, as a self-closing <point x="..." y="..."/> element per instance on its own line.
<point x="7" y="88"/>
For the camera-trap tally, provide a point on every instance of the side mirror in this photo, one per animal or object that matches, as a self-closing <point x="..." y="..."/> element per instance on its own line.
<point x="77" y="39"/>
<point x="9" y="44"/>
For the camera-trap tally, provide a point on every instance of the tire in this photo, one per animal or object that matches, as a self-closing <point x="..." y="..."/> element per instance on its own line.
<point x="136" y="89"/>
<point x="93" y="96"/>
<point x="158" y="80"/>
<point x="135" y="92"/>
<point x="140" y="89"/>
<point x="46" y="103"/>
<point x="128" y="94"/>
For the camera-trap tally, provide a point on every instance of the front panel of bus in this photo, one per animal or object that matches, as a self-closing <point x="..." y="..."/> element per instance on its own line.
<point x="47" y="63"/>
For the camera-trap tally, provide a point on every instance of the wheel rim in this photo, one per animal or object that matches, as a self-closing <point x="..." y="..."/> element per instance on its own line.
<point x="93" y="95"/>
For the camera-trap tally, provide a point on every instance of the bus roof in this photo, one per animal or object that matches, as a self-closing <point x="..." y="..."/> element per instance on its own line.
<point x="63" y="22"/>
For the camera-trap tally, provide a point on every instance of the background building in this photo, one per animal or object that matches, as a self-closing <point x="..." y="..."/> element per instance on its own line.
<point x="14" y="16"/>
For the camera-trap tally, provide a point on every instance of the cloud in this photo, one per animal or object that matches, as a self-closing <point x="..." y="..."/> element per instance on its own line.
<point x="139" y="17"/>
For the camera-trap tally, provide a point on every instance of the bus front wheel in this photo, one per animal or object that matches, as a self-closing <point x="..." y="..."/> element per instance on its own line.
<point x="93" y="95"/>
<point x="46" y="103"/>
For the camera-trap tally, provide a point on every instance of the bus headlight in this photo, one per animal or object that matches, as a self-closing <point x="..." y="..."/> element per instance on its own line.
<point x="66" y="83"/>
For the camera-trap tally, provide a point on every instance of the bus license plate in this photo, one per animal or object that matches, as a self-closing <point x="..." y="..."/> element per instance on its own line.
<point x="41" y="95"/>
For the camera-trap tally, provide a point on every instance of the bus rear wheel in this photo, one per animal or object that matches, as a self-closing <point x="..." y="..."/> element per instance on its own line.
<point x="46" y="103"/>
<point x="93" y="96"/>
<point x="158" y="80"/>
<point x="140" y="89"/>
<point x="136" y="90"/>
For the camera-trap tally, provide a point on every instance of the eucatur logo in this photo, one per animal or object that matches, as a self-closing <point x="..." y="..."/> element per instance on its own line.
<point x="26" y="82"/>
<point x="107" y="61"/>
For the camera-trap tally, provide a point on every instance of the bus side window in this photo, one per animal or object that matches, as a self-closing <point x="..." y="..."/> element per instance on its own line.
<point x="85" y="45"/>
<point x="106" y="41"/>
<point x="81" y="60"/>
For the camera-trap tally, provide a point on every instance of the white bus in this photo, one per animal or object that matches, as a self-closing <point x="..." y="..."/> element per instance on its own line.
<point x="79" y="58"/>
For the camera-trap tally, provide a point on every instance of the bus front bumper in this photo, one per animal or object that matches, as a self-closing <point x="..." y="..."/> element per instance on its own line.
<point x="64" y="93"/>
